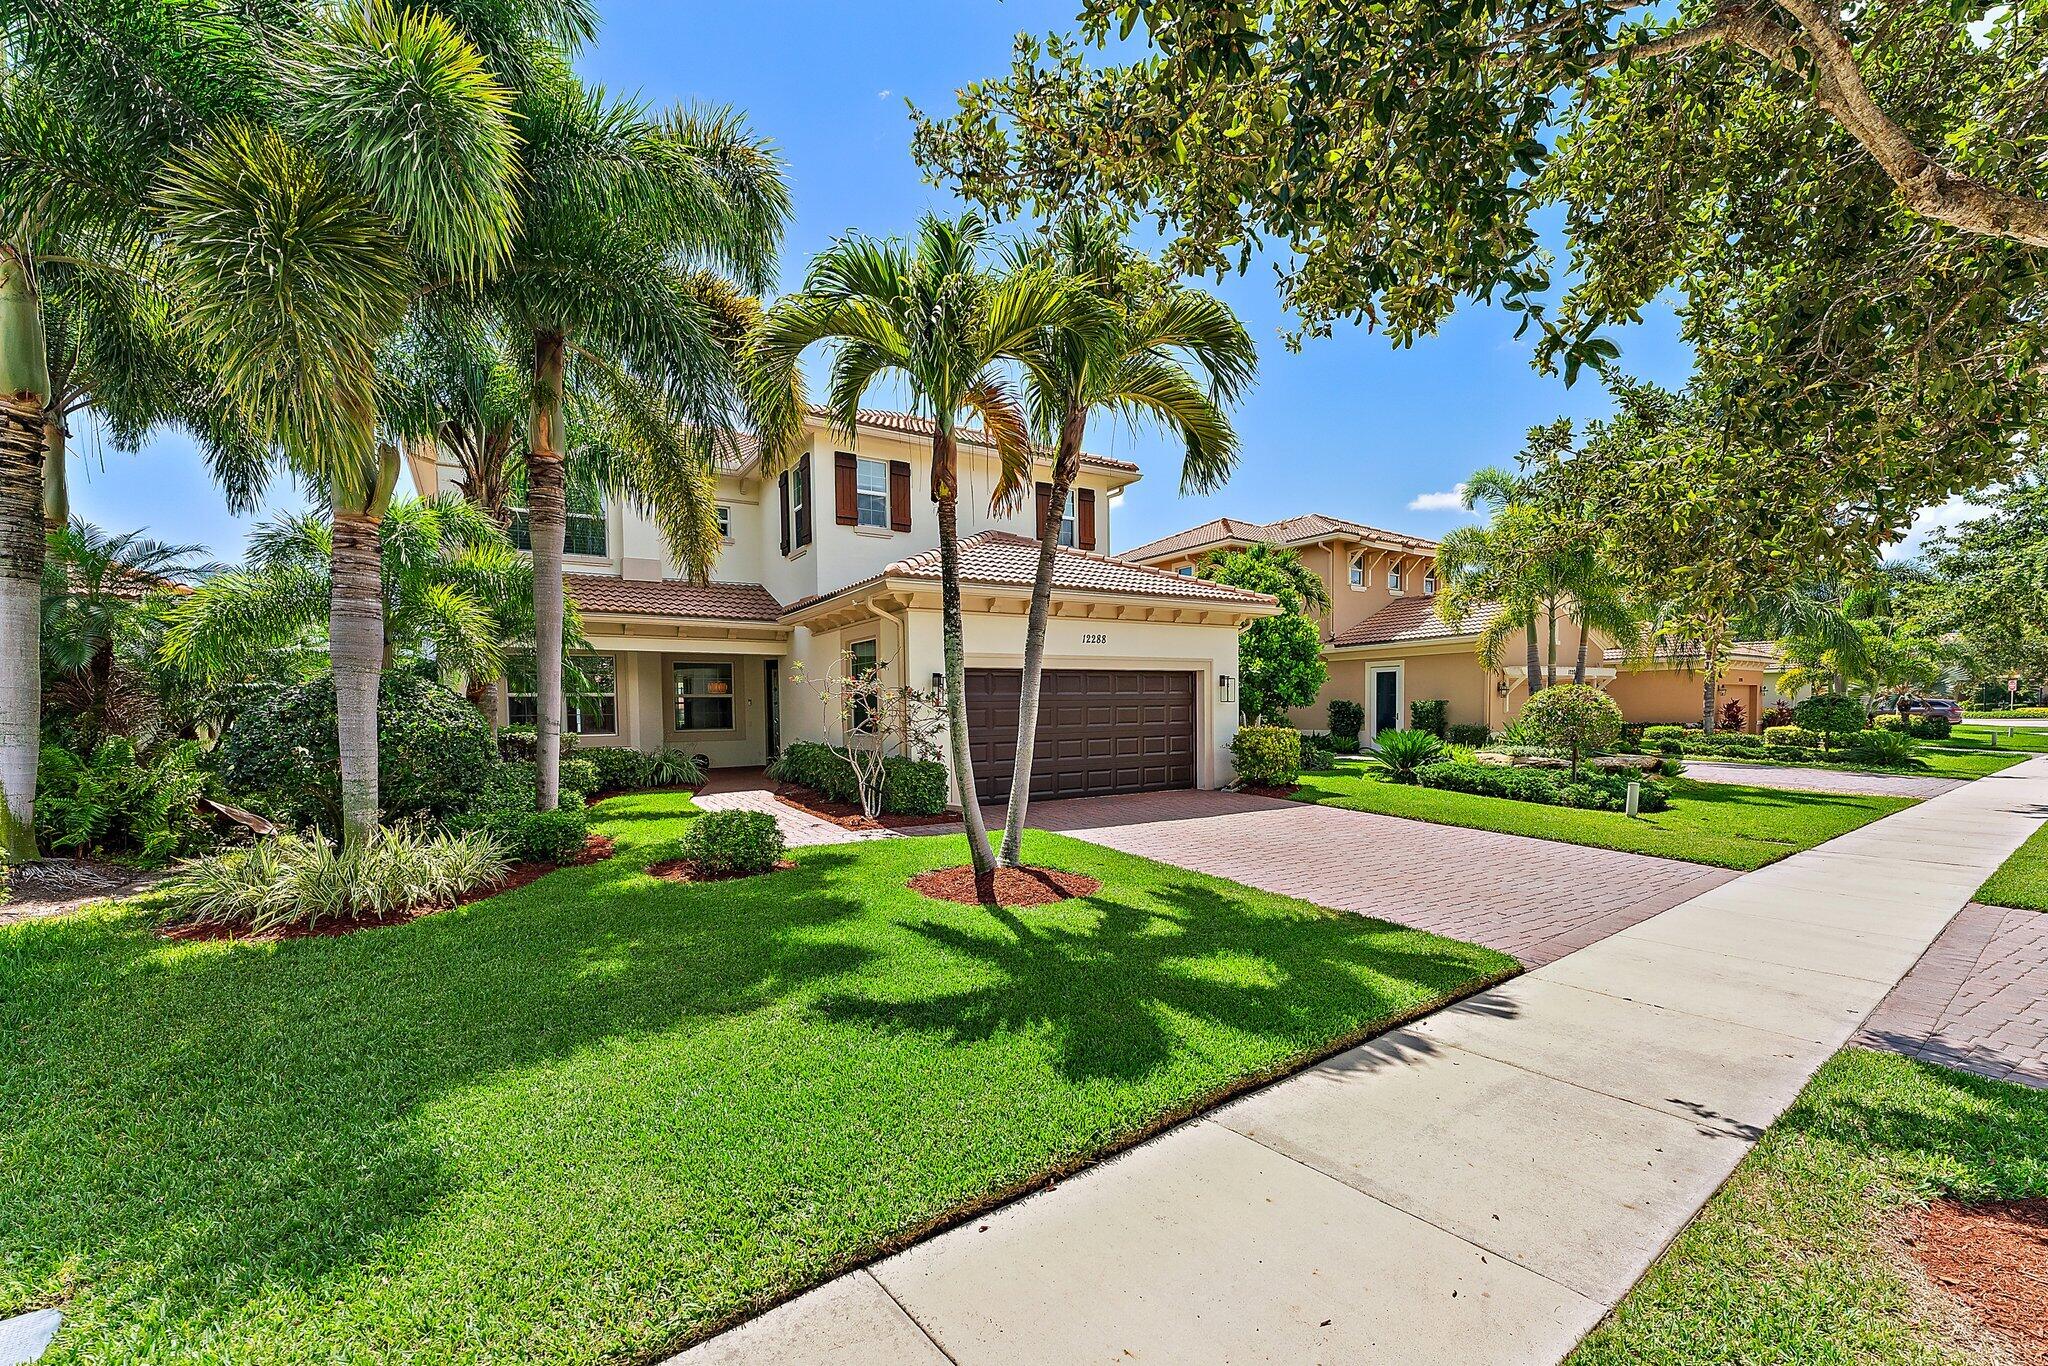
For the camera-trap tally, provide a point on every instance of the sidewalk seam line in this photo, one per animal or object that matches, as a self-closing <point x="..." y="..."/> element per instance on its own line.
<point x="904" y="1310"/>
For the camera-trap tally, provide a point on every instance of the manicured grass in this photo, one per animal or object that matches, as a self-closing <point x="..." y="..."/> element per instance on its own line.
<point x="2022" y="880"/>
<point x="1790" y="1262"/>
<point x="1725" y="824"/>
<point x="1995" y="738"/>
<point x="596" y="1117"/>
<point x="1934" y="763"/>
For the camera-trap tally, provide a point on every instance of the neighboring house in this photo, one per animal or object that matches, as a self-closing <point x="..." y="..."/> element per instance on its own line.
<point x="832" y="568"/>
<point x="1385" y="645"/>
<point x="1665" y="689"/>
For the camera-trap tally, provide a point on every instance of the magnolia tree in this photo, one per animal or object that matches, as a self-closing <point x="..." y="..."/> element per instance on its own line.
<point x="881" y="721"/>
<point x="1573" y="717"/>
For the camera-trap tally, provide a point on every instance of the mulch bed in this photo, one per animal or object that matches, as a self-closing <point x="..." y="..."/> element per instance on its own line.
<point x="596" y="849"/>
<point x="1013" y="886"/>
<point x="1282" y="793"/>
<point x="1994" y="1258"/>
<point x="686" y="870"/>
<point x="848" y="816"/>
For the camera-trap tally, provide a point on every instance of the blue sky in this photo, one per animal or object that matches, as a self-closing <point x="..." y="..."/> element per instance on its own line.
<point x="1349" y="426"/>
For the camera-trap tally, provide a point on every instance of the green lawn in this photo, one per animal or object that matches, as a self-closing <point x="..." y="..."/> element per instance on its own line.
<point x="1791" y="1262"/>
<point x="1952" y="762"/>
<point x="2022" y="880"/>
<point x="596" y="1117"/>
<point x="1994" y="737"/>
<point x="1724" y="824"/>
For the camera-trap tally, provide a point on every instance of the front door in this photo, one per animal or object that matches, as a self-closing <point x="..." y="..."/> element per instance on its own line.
<point x="1386" y="700"/>
<point x="771" y="674"/>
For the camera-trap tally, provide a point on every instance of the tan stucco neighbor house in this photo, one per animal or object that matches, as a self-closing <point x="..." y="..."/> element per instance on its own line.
<point x="832" y="568"/>
<point x="1385" y="645"/>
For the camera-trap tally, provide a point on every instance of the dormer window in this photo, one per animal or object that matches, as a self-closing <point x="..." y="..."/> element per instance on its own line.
<point x="1429" y="583"/>
<point x="1394" y="580"/>
<point x="1358" y="575"/>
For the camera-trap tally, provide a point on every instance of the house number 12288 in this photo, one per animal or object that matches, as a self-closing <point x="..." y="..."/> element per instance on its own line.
<point x="1092" y="638"/>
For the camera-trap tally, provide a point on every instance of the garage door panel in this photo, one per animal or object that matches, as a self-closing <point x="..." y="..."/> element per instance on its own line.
<point x="1100" y="731"/>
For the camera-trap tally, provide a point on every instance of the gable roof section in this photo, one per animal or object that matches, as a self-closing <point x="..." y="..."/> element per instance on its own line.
<point x="910" y="424"/>
<point x="604" y="595"/>
<point x="1415" y="618"/>
<point x="1288" y="531"/>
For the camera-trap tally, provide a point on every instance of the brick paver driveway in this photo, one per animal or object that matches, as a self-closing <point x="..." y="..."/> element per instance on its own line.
<point x="1536" y="899"/>
<point x="1821" y="779"/>
<point x="1977" y="999"/>
<point x="741" y="789"/>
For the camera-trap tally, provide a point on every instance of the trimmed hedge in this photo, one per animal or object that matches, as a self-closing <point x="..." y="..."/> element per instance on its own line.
<point x="1318" y="751"/>
<point x="1432" y="714"/>
<point x="1542" y="786"/>
<point x="910" y="787"/>
<point x="1656" y="733"/>
<point x="1797" y="736"/>
<point x="1919" y="727"/>
<point x="733" y="843"/>
<point x="1347" y="719"/>
<point x="1266" y="756"/>
<point x="1468" y="735"/>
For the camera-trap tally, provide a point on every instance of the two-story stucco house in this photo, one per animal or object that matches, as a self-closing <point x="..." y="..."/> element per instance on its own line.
<point x="1385" y="644"/>
<point x="832" y="568"/>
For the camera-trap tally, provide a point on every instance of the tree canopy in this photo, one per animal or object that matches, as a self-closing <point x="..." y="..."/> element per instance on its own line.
<point x="1279" y="659"/>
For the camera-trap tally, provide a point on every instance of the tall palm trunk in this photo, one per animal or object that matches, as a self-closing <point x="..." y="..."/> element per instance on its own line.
<point x="24" y="388"/>
<point x="56" y="488"/>
<point x="1066" y="464"/>
<point x="945" y="459"/>
<point x="1534" y="664"/>
<point x="1579" y="669"/>
<point x="356" y="645"/>
<point x="547" y="522"/>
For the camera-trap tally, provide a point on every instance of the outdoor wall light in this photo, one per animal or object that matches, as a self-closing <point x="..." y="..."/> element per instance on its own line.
<point x="1501" y="687"/>
<point x="938" y="683"/>
<point x="1226" y="688"/>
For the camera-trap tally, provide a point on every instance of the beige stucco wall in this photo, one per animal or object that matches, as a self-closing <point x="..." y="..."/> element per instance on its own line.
<point x="1672" y="696"/>
<point x="1454" y="676"/>
<point x="646" y="710"/>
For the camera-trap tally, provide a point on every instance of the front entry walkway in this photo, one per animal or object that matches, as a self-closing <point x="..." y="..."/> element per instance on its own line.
<point x="1478" y="1188"/>
<point x="748" y="789"/>
<point x="1536" y="899"/>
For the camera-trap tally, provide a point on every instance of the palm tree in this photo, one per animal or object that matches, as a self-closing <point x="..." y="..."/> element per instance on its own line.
<point x="1491" y="565"/>
<point x="929" y="312"/>
<point x="1143" y="350"/>
<point x="629" y="226"/>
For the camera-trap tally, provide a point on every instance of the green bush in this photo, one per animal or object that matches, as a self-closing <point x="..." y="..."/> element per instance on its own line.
<point x="913" y="787"/>
<point x="1347" y="719"/>
<point x="1399" y="753"/>
<point x="1432" y="714"/>
<point x="1919" y="727"/>
<point x="1266" y="756"/>
<point x="1829" y="715"/>
<point x="733" y="843"/>
<point x="1547" y="787"/>
<point x="433" y="752"/>
<point x="1318" y="751"/>
<point x="1578" y="719"/>
<point x="672" y="767"/>
<point x="297" y="880"/>
<point x="1790" y="735"/>
<point x="1470" y="736"/>
<point x="1881" y="748"/>
<point x="112" y="801"/>
<point x="620" y="769"/>
<point x="578" y="778"/>
<point x="520" y="742"/>
<point x="1656" y="733"/>
<point x="910" y="787"/>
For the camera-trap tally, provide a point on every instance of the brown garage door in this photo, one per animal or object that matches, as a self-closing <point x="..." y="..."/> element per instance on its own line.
<point x="1099" y="731"/>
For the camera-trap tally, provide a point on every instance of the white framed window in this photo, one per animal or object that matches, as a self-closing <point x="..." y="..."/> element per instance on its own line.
<point x="1359" y="577"/>
<point x="1186" y="571"/>
<point x="1394" y="580"/>
<point x="800" y="504"/>
<point x="724" y="522"/>
<point x="1429" y="583"/>
<point x="584" y="525"/>
<point x="1070" y="520"/>
<point x="590" y="707"/>
<point x="871" y="492"/>
<point x="703" y="695"/>
<point x="862" y="660"/>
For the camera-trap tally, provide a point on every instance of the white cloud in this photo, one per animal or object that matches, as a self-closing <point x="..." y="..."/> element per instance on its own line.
<point x="1952" y="513"/>
<point x="1453" y="501"/>
<point x="883" y="94"/>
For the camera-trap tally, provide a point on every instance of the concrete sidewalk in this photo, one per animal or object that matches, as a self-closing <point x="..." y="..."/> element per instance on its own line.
<point x="1480" y="1187"/>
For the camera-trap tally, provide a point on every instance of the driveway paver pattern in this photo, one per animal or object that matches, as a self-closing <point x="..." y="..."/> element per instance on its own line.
<point x="748" y="790"/>
<point x="1536" y="899"/>
<point x="1977" y="1000"/>
<point x="1821" y="779"/>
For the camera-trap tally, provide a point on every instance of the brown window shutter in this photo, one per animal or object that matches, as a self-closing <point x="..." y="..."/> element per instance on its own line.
<point x="1044" y="508"/>
<point x="899" y="495"/>
<point x="803" y="512"/>
<point x="1084" y="518"/>
<point x="782" y="487"/>
<point x="845" y="488"/>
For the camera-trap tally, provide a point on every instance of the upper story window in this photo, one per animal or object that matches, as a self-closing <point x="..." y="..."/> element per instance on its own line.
<point x="1429" y="582"/>
<point x="590" y="702"/>
<point x="1358" y="576"/>
<point x="872" y="497"/>
<point x="724" y="522"/>
<point x="1073" y="523"/>
<point x="585" y="529"/>
<point x="1186" y="571"/>
<point x="1070" y="519"/>
<point x="1395" y="581"/>
<point x="793" y="489"/>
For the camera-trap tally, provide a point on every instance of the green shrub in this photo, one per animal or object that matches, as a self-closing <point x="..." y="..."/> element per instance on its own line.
<point x="910" y="787"/>
<point x="1470" y="736"/>
<point x="578" y="778"/>
<point x="1919" y="727"/>
<point x="1399" y="753"/>
<point x="1881" y="748"/>
<point x="1780" y="715"/>
<point x="433" y="752"/>
<point x="733" y="843"/>
<point x="1266" y="756"/>
<point x="520" y="742"/>
<point x="300" y="880"/>
<point x="1547" y="787"/>
<point x="1318" y="751"/>
<point x="1432" y="714"/>
<point x="1655" y="733"/>
<point x="913" y="787"/>
<point x="1347" y="719"/>
<point x="620" y="769"/>
<point x="1578" y="719"/>
<point x="1790" y="735"/>
<point x="1829" y="715"/>
<point x="672" y="767"/>
<point x="112" y="801"/>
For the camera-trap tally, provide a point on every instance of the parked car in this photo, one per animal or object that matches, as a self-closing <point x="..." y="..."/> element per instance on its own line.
<point x="1944" y="708"/>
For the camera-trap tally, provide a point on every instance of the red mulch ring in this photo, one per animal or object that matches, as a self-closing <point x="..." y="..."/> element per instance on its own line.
<point x="1013" y="886"/>
<point x="1994" y="1258"/>
<point x="686" y="870"/>
<point x="596" y="849"/>
<point x="1281" y="792"/>
<point x="848" y="816"/>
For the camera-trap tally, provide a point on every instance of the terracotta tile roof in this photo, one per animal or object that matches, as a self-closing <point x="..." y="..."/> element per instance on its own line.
<point x="1682" y="651"/>
<point x="1414" y="618"/>
<point x="1000" y="557"/>
<point x="605" y="595"/>
<point x="1312" y="526"/>
<point x="910" y="424"/>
